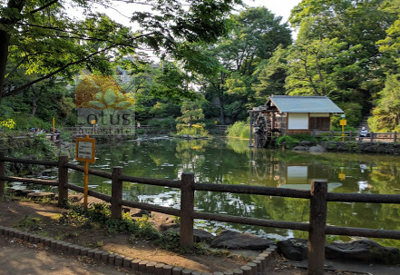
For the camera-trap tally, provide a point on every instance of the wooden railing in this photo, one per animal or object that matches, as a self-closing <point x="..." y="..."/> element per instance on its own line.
<point x="350" y="135"/>
<point x="318" y="196"/>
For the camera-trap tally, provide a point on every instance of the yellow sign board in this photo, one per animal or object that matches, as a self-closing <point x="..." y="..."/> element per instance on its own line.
<point x="343" y="122"/>
<point x="85" y="149"/>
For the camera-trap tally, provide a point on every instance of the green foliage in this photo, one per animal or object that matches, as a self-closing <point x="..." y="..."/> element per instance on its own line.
<point x="255" y="34"/>
<point x="289" y="141"/>
<point x="168" y="122"/>
<point x="140" y="229"/>
<point x="192" y="120"/>
<point x="29" y="224"/>
<point x="36" y="146"/>
<point x="353" y="112"/>
<point x="336" y="52"/>
<point x="272" y="74"/>
<point x="239" y="129"/>
<point x="386" y="115"/>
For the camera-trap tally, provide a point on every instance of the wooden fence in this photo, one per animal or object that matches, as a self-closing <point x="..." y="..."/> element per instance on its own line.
<point x="318" y="196"/>
<point x="354" y="136"/>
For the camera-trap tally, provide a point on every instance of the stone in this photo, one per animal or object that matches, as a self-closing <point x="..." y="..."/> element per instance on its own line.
<point x="202" y="236"/>
<point x="307" y="143"/>
<point x="41" y="195"/>
<point x="141" y="213"/>
<point x="364" y="251"/>
<point x="293" y="249"/>
<point x="198" y="234"/>
<point x="300" y="148"/>
<point x="234" y="240"/>
<point x="317" y="149"/>
<point x="167" y="226"/>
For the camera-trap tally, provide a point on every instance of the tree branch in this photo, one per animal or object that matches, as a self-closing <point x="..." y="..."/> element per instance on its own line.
<point x="23" y="87"/>
<point x="43" y="7"/>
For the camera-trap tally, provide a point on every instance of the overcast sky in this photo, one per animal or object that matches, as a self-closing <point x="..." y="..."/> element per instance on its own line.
<point x="277" y="7"/>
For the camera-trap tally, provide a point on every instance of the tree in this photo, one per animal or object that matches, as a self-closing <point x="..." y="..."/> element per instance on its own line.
<point x="320" y="67"/>
<point x="359" y="25"/>
<point x="272" y="75"/>
<point x="39" y="37"/>
<point x="191" y="122"/>
<point x="386" y="115"/>
<point x="255" y="35"/>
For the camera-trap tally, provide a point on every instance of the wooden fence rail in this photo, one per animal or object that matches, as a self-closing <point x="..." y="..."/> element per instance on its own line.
<point x="318" y="196"/>
<point x="350" y="135"/>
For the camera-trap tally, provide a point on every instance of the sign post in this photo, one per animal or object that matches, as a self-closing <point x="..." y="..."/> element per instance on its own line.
<point x="85" y="152"/>
<point x="93" y="122"/>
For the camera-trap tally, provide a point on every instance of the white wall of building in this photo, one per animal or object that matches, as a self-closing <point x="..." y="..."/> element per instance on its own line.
<point x="298" y="121"/>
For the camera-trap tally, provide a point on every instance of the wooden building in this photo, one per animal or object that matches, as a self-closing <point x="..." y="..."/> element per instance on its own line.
<point x="288" y="115"/>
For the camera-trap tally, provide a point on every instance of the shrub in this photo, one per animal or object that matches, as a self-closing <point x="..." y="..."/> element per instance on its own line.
<point x="239" y="129"/>
<point x="290" y="141"/>
<point x="168" y="122"/>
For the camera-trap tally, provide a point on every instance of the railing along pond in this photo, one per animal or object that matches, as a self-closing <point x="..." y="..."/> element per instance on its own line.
<point x="318" y="196"/>
<point x="355" y="136"/>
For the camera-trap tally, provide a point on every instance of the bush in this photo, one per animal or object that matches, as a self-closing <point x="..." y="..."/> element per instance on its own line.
<point x="168" y="122"/>
<point x="289" y="141"/>
<point x="192" y="130"/>
<point x="23" y="122"/>
<point x="239" y="129"/>
<point x="353" y="112"/>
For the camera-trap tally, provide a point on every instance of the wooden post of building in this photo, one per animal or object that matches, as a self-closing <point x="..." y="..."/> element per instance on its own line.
<point x="116" y="193"/>
<point x="187" y="209"/>
<point x="372" y="136"/>
<point x="251" y="131"/>
<point x="2" y="169"/>
<point x="394" y="136"/>
<point x="62" y="181"/>
<point x="316" y="235"/>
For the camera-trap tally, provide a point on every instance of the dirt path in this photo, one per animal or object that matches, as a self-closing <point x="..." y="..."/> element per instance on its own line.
<point x="23" y="259"/>
<point x="13" y="213"/>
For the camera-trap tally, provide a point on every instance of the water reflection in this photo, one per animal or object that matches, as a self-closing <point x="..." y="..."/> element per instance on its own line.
<point x="232" y="162"/>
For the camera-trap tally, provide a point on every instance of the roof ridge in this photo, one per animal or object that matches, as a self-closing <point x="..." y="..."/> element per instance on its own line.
<point x="300" y="96"/>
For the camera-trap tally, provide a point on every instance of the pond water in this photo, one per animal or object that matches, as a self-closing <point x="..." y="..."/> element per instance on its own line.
<point x="230" y="161"/>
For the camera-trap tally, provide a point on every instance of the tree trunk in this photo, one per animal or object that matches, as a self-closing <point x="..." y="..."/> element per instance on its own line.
<point x="221" y="110"/>
<point x="4" y="43"/>
<point x="34" y="106"/>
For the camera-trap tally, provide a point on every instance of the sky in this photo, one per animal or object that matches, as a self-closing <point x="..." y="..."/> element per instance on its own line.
<point x="277" y="7"/>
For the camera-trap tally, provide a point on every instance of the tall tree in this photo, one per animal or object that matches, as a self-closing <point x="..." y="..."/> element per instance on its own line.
<point x="356" y="25"/>
<point x="255" y="35"/>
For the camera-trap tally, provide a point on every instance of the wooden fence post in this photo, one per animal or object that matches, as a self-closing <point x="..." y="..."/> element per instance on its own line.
<point x="62" y="181"/>
<point x="1" y="175"/>
<point x="394" y="136"/>
<point x="372" y="136"/>
<point x="116" y="193"/>
<point x="316" y="234"/>
<point x="187" y="208"/>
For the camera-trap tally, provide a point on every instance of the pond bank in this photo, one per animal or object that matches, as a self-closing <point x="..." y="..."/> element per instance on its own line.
<point x="347" y="147"/>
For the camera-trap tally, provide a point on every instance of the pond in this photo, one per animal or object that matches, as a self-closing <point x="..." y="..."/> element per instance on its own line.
<point x="231" y="161"/>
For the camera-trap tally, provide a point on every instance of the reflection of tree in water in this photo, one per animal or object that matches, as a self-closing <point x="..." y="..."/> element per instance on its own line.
<point x="190" y="152"/>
